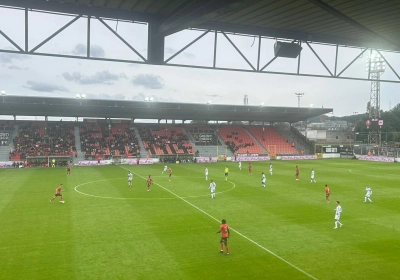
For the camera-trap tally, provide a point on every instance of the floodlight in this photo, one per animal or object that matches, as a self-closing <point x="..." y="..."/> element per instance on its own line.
<point x="146" y="99"/>
<point x="83" y="96"/>
<point x="3" y="92"/>
<point x="151" y="99"/>
<point x="209" y="102"/>
<point x="78" y="96"/>
<point x="262" y="104"/>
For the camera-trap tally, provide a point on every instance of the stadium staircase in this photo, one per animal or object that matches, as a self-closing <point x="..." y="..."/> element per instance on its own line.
<point x="78" y="147"/>
<point x="143" y="151"/>
<point x="214" y="150"/>
<point x="191" y="139"/>
<point x="294" y="136"/>
<point x="255" y="139"/>
<point x="5" y="150"/>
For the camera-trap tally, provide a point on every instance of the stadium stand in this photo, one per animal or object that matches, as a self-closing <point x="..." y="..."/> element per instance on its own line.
<point x="274" y="142"/>
<point x="31" y="140"/>
<point x="239" y="141"/>
<point x="123" y="140"/>
<point x="92" y="142"/>
<point x="101" y="140"/>
<point x="165" y="140"/>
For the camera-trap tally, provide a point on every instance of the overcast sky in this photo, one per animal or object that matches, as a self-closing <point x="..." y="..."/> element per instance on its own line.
<point x="62" y="77"/>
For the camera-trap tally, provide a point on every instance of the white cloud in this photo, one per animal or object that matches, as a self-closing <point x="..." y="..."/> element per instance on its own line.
<point x="103" y="77"/>
<point x="44" y="87"/>
<point x="150" y="81"/>
<point x="95" y="50"/>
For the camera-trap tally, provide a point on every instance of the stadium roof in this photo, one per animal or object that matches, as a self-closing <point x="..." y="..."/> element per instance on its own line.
<point x="360" y="23"/>
<point x="73" y="107"/>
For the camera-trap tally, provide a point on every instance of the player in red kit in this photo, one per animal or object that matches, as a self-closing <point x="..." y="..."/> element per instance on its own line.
<point x="68" y="170"/>
<point x="250" y="169"/>
<point x="327" y="193"/>
<point x="149" y="183"/>
<point x="224" y="230"/>
<point x="58" y="193"/>
<point x="170" y="174"/>
<point x="297" y="173"/>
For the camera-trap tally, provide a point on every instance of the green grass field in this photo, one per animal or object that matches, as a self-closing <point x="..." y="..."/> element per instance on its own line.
<point x="106" y="230"/>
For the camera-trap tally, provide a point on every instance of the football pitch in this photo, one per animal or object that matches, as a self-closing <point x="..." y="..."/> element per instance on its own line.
<point x="107" y="230"/>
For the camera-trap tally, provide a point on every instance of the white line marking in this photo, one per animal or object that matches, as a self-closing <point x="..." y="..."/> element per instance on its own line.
<point x="139" y="198"/>
<point x="245" y="237"/>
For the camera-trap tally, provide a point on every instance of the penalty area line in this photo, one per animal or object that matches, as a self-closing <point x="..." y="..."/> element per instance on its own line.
<point x="237" y="232"/>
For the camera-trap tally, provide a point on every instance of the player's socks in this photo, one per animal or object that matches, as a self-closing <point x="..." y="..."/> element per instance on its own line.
<point x="227" y="250"/>
<point x="221" y="247"/>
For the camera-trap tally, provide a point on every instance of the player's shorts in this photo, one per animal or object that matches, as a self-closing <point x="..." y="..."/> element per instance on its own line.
<point x="206" y="174"/>
<point x="368" y="195"/>
<point x="68" y="170"/>
<point x="263" y="181"/>
<point x="327" y="195"/>
<point x="312" y="177"/>
<point x="58" y="194"/>
<point x="226" y="174"/>
<point x="170" y="175"/>
<point x="337" y="217"/>
<point x="212" y="190"/>
<point x="297" y="174"/>
<point x="129" y="180"/>
<point x="224" y="239"/>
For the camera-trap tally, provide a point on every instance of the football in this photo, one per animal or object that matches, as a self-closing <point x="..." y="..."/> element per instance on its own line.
<point x="63" y="201"/>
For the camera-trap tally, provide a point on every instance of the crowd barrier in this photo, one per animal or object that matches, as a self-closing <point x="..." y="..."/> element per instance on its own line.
<point x="6" y="164"/>
<point x="298" y="157"/>
<point x="250" y="158"/>
<point x="373" y="158"/>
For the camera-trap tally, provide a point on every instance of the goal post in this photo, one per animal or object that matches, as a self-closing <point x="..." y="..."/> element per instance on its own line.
<point x="116" y="160"/>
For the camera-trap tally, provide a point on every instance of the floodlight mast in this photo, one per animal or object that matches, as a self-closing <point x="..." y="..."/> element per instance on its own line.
<point x="375" y="67"/>
<point x="299" y="95"/>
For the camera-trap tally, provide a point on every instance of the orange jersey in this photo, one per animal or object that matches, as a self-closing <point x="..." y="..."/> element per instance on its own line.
<point x="250" y="166"/>
<point x="68" y="167"/>
<point x="298" y="170"/>
<point x="224" y="228"/>
<point x="149" y="181"/>
<point x="58" y="190"/>
<point x="327" y="190"/>
<point x="170" y="171"/>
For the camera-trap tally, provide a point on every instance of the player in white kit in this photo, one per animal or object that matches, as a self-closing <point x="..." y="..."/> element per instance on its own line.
<point x="130" y="177"/>
<point x="212" y="187"/>
<point x="165" y="169"/>
<point x="368" y="194"/>
<point x="270" y="168"/>
<point x="240" y="165"/>
<point x="206" y="172"/>
<point x="313" y="176"/>
<point x="338" y="210"/>
<point x="263" y="179"/>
